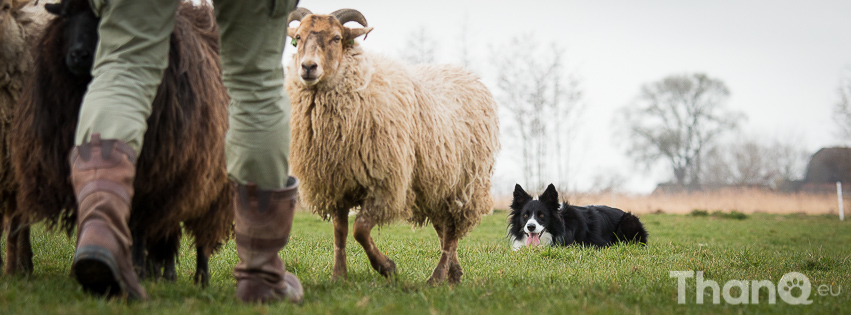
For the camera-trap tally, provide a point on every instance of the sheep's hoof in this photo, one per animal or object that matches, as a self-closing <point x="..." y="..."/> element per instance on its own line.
<point x="339" y="277"/>
<point x="387" y="269"/>
<point x="170" y="275"/>
<point x="435" y="280"/>
<point x="141" y="272"/>
<point x="437" y="277"/>
<point x="202" y="277"/>
<point x="18" y="266"/>
<point x="455" y="274"/>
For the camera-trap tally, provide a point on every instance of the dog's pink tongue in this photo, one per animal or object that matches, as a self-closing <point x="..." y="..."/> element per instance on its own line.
<point x="533" y="239"/>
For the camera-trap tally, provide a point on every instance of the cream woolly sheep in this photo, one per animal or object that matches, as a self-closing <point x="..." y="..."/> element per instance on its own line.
<point x="400" y="142"/>
<point x="20" y="22"/>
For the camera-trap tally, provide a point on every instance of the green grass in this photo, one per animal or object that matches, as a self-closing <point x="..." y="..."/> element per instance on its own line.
<point x="620" y="279"/>
<point x="735" y="215"/>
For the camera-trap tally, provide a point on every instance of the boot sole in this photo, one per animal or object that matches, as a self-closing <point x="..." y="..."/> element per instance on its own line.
<point x="97" y="271"/>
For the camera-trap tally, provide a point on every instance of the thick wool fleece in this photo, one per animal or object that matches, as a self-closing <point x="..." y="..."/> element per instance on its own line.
<point x="400" y="142"/>
<point x="18" y="30"/>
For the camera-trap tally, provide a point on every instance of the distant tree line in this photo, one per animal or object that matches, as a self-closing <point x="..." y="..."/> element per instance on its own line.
<point x="680" y="121"/>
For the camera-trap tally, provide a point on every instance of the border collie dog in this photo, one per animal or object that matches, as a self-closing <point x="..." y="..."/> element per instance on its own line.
<point x="543" y="222"/>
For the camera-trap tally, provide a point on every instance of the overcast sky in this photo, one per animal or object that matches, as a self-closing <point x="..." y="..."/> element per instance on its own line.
<point x="782" y="60"/>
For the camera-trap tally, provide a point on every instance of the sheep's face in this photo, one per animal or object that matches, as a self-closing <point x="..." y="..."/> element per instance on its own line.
<point x="321" y="41"/>
<point x="81" y="35"/>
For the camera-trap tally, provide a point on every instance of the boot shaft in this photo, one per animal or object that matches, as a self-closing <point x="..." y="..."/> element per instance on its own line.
<point x="103" y="167"/>
<point x="264" y="217"/>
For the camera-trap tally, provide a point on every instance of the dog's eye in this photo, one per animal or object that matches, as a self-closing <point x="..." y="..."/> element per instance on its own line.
<point x="541" y="215"/>
<point x="526" y="215"/>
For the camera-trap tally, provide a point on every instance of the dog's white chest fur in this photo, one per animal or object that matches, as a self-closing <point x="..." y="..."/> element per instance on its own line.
<point x="546" y="240"/>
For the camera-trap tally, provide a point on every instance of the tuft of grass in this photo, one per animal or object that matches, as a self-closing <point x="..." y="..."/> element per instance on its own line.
<point x="497" y="280"/>
<point x="733" y="215"/>
<point x="699" y="213"/>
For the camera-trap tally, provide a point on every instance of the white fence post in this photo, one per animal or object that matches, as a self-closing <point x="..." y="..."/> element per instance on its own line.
<point x="841" y="204"/>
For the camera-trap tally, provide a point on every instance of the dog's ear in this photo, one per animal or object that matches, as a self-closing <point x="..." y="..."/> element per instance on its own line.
<point x="520" y="198"/>
<point x="550" y="197"/>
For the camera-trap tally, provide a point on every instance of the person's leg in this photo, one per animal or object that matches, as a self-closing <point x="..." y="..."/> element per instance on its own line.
<point x="253" y="35"/>
<point x="131" y="55"/>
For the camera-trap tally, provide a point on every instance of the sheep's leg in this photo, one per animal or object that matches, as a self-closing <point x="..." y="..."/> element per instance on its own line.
<point x="138" y="252"/>
<point x="154" y="265"/>
<point x="448" y="263"/>
<point x="202" y="266"/>
<point x="18" y="248"/>
<point x="455" y="271"/>
<point x="4" y="233"/>
<point x="162" y="254"/>
<point x="380" y="262"/>
<point x="170" y="256"/>
<point x="25" y="250"/>
<point x="341" y="231"/>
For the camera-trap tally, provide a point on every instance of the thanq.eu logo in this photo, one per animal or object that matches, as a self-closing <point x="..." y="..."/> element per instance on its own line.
<point x="794" y="288"/>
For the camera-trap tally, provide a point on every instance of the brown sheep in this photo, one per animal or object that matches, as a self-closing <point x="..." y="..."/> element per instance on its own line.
<point x="400" y="142"/>
<point x="181" y="173"/>
<point x="20" y="23"/>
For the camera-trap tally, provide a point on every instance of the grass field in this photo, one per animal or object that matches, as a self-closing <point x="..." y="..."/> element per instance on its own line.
<point x="620" y="279"/>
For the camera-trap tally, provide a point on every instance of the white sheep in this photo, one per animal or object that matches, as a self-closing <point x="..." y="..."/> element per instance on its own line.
<point x="396" y="141"/>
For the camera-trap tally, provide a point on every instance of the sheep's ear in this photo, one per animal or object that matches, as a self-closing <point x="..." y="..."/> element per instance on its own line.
<point x="291" y="32"/>
<point x="18" y="4"/>
<point x="53" y="8"/>
<point x="550" y="197"/>
<point x="352" y="33"/>
<point x="520" y="198"/>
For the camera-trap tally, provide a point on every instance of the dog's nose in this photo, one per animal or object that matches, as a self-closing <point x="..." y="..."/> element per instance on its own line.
<point x="530" y="227"/>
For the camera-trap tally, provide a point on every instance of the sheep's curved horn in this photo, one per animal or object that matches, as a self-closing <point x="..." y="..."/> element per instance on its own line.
<point x="298" y="14"/>
<point x="349" y="15"/>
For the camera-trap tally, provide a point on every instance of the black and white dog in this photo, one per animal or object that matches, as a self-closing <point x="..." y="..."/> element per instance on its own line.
<point x="542" y="222"/>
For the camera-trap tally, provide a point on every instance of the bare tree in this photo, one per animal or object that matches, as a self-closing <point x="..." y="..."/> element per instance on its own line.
<point x="420" y="47"/>
<point x="544" y="100"/>
<point x="607" y="181"/>
<point x="743" y="163"/>
<point x="842" y="109"/>
<point x="717" y="168"/>
<point x="750" y="161"/>
<point x="675" y="120"/>
<point x="791" y="159"/>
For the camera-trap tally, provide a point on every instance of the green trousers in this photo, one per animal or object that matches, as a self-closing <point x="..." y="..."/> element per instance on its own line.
<point x="132" y="55"/>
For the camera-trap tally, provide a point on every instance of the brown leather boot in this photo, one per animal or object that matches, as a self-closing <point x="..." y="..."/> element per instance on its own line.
<point x="263" y="222"/>
<point x="102" y="172"/>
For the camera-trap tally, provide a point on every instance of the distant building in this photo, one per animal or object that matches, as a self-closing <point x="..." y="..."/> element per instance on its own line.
<point x="826" y="167"/>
